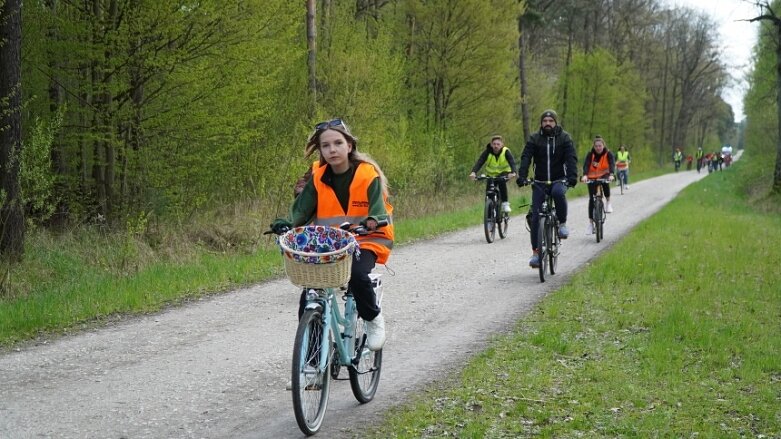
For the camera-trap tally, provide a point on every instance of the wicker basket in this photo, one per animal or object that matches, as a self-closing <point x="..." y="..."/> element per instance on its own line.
<point x="318" y="256"/>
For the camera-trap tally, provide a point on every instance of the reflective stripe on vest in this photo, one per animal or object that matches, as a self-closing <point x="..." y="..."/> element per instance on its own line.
<point x="495" y="165"/>
<point x="330" y="213"/>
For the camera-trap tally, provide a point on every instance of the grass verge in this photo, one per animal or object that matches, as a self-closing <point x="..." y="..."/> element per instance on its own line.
<point x="672" y="333"/>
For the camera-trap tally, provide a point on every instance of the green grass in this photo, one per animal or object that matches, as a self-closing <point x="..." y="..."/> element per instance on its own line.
<point x="672" y="333"/>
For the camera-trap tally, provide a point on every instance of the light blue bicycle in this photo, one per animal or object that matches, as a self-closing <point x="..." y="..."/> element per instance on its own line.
<point x="330" y="335"/>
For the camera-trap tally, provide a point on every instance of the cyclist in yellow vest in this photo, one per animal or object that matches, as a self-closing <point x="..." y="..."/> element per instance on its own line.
<point x="622" y="165"/>
<point x="348" y="186"/>
<point x="677" y="158"/>
<point x="498" y="160"/>
<point x="699" y="156"/>
<point x="599" y="163"/>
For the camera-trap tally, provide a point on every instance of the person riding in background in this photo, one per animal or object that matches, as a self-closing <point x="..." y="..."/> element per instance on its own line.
<point x="498" y="161"/>
<point x="699" y="156"/>
<point x="555" y="159"/>
<point x="622" y="165"/>
<point x="599" y="163"/>
<point x="347" y="186"/>
<point x="677" y="158"/>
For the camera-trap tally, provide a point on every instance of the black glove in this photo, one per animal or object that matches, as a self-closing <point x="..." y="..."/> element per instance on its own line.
<point x="280" y="226"/>
<point x="521" y="182"/>
<point x="571" y="182"/>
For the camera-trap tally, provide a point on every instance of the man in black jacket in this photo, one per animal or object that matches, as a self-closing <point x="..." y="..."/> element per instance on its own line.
<point x="556" y="163"/>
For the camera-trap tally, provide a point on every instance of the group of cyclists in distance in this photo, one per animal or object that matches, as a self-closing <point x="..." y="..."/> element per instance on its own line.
<point x="551" y="153"/>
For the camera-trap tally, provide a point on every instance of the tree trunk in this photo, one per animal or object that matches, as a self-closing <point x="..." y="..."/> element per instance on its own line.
<point x="311" y="41"/>
<point x="522" y="75"/>
<point x="11" y="212"/>
<point x="777" y="171"/>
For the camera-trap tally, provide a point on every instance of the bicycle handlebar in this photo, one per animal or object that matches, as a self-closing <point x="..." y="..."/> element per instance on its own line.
<point x="598" y="180"/>
<point x="497" y="178"/>
<point x="356" y="229"/>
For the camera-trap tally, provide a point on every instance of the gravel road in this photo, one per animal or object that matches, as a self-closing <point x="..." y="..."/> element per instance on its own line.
<point x="217" y="368"/>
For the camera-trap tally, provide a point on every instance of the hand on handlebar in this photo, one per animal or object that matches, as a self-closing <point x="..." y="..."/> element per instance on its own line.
<point x="521" y="182"/>
<point x="280" y="226"/>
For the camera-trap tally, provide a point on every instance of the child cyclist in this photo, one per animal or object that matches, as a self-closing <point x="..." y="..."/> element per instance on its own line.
<point x="347" y="186"/>
<point x="498" y="161"/>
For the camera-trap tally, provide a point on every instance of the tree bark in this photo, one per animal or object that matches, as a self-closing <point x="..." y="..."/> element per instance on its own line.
<point x="311" y="40"/>
<point x="522" y="76"/>
<point x="11" y="213"/>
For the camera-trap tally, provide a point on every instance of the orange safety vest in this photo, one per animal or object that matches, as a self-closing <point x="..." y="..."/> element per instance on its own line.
<point x="600" y="168"/>
<point x="330" y="213"/>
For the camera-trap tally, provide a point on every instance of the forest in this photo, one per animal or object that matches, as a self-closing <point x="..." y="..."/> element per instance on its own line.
<point x="136" y="113"/>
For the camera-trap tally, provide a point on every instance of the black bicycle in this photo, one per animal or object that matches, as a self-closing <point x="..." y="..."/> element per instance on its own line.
<point x="494" y="217"/>
<point x="548" y="240"/>
<point x="598" y="211"/>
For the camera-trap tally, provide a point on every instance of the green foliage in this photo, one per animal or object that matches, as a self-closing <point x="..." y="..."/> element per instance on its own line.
<point x="35" y="176"/>
<point x="604" y="99"/>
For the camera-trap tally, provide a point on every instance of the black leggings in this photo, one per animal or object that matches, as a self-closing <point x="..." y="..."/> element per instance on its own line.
<point x="592" y="189"/>
<point x="360" y="285"/>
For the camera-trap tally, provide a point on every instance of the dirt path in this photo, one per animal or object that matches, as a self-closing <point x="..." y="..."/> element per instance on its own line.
<point x="217" y="368"/>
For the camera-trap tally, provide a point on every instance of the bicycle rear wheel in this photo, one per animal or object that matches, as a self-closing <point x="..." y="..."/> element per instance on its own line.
<point x="366" y="367"/>
<point x="489" y="220"/>
<point x="504" y="221"/>
<point x="311" y="382"/>
<point x="542" y="242"/>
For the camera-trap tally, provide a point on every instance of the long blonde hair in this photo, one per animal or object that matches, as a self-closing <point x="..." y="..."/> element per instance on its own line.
<point x="355" y="157"/>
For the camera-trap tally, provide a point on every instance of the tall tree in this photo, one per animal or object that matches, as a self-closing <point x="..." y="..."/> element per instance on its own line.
<point x="11" y="213"/>
<point x="768" y="13"/>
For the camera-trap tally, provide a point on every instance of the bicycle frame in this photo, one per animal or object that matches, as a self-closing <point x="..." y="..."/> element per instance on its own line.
<point x="547" y="229"/>
<point x="494" y="216"/>
<point x="335" y="323"/>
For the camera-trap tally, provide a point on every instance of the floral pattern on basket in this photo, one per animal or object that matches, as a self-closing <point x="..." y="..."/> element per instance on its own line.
<point x="322" y="244"/>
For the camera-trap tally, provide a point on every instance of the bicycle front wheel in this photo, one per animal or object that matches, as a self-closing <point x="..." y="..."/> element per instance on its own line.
<point x="543" y="242"/>
<point x="599" y="218"/>
<point x="553" y="250"/>
<point x="366" y="367"/>
<point x="311" y="381"/>
<point x="621" y="183"/>
<point x="504" y="221"/>
<point x="489" y="220"/>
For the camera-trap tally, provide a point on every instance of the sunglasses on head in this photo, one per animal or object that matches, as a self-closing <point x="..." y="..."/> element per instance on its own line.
<point x="328" y="124"/>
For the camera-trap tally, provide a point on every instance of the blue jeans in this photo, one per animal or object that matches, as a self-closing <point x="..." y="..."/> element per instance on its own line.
<point x="559" y="191"/>
<point x="624" y="173"/>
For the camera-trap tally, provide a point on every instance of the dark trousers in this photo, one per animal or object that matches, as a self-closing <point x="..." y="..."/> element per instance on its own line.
<point x="592" y="189"/>
<point x="361" y="286"/>
<point x="559" y="191"/>
<point x="502" y="186"/>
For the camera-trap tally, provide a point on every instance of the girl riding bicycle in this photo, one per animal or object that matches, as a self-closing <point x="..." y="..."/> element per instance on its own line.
<point x="347" y="186"/>
<point x="599" y="163"/>
<point x="498" y="161"/>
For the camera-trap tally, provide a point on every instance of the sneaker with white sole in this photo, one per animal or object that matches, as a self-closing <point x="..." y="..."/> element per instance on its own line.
<point x="590" y="229"/>
<point x="375" y="333"/>
<point x="506" y="207"/>
<point x="608" y="207"/>
<point x="563" y="231"/>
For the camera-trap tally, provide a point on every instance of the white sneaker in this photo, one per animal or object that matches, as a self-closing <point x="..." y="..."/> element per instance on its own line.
<point x="375" y="333"/>
<point x="506" y="207"/>
<point x="590" y="229"/>
<point x="626" y="186"/>
<point x="608" y="208"/>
